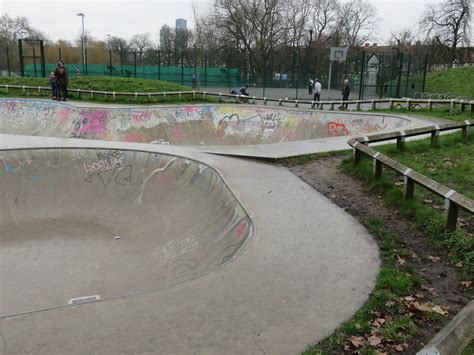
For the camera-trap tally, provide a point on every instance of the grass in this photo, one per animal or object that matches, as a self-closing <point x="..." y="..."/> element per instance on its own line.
<point x="469" y="349"/>
<point x="393" y="282"/>
<point x="442" y="112"/>
<point x="450" y="163"/>
<point x="456" y="81"/>
<point x="110" y="84"/>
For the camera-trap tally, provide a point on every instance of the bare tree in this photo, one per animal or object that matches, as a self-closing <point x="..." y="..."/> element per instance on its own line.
<point x="325" y="19"/>
<point x="359" y="19"/>
<point x="449" y="23"/>
<point x="253" y="26"/>
<point x="140" y="43"/>
<point x="13" y="28"/>
<point x="401" y="38"/>
<point x="167" y="42"/>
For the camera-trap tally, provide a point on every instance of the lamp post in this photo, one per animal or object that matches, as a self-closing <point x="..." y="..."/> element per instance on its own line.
<point x="109" y="45"/>
<point x="81" y="15"/>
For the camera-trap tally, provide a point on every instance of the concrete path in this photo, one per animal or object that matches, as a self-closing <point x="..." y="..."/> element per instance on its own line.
<point x="309" y="267"/>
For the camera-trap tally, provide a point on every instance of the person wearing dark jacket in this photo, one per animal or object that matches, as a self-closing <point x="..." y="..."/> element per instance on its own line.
<point x="345" y="93"/>
<point x="62" y="80"/>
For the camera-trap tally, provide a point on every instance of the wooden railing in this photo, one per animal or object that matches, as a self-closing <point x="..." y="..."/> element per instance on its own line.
<point x="331" y="105"/>
<point x="453" y="201"/>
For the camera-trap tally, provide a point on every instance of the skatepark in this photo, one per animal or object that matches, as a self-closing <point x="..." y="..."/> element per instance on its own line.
<point x="136" y="228"/>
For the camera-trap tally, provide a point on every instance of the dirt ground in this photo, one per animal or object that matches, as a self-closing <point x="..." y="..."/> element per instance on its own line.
<point x="349" y="193"/>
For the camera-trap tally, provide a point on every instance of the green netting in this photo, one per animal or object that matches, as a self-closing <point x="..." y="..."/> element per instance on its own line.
<point x="181" y="75"/>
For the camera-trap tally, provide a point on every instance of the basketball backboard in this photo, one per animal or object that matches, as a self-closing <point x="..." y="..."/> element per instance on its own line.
<point x="338" y="53"/>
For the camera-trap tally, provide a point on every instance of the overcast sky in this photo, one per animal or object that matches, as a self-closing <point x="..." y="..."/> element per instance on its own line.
<point x="125" y="18"/>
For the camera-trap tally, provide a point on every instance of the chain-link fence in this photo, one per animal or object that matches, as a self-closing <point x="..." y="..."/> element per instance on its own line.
<point x="372" y="72"/>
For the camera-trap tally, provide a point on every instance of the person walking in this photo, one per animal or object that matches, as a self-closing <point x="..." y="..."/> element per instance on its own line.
<point x="345" y="93"/>
<point x="317" y="91"/>
<point x="310" y="86"/>
<point x="62" y="81"/>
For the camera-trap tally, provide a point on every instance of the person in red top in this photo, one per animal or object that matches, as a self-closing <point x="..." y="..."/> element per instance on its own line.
<point x="62" y="80"/>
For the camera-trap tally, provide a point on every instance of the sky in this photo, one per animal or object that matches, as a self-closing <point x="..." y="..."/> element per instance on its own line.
<point x="125" y="18"/>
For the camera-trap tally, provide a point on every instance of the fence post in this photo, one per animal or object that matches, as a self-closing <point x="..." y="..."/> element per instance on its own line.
<point x="332" y="106"/>
<point x="358" y="105"/>
<point x="430" y="105"/>
<point x="391" y="104"/>
<point x="408" y="188"/>
<point x="373" y="105"/>
<point x="463" y="106"/>
<point x="357" y="154"/>
<point x="377" y="167"/>
<point x="465" y="130"/>
<point x="409" y="104"/>
<point x="435" y="136"/>
<point x="471" y="105"/>
<point x="451" y="212"/>
<point x="453" y="104"/>
<point x="401" y="141"/>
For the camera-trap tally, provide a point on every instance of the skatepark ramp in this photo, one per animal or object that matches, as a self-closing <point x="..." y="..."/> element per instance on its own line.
<point x="191" y="125"/>
<point x="81" y="225"/>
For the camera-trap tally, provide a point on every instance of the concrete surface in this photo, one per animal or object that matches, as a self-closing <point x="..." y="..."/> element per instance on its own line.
<point x="454" y="336"/>
<point x="310" y="267"/>
<point x="243" y="130"/>
<point x="72" y="220"/>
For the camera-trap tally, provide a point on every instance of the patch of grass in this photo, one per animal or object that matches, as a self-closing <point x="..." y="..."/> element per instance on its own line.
<point x="392" y="283"/>
<point x="450" y="163"/>
<point x="442" y="112"/>
<point x="469" y="349"/>
<point x="400" y="328"/>
<point x="111" y="84"/>
<point x="456" y="81"/>
<point x="304" y="159"/>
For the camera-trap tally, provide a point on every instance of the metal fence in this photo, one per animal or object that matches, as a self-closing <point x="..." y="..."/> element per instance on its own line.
<point x="371" y="73"/>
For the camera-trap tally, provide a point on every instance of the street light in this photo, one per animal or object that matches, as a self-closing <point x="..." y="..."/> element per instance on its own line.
<point x="80" y="14"/>
<point x="109" y="45"/>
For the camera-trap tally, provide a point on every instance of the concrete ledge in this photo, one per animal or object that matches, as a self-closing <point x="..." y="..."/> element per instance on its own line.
<point x="451" y="339"/>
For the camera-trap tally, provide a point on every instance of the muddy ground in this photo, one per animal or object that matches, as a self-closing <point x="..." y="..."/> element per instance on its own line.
<point x="349" y="193"/>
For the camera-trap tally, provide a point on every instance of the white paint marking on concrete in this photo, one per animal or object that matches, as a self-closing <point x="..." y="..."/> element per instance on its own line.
<point x="85" y="299"/>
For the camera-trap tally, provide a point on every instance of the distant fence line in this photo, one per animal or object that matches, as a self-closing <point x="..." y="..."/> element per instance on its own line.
<point x="453" y="200"/>
<point x="393" y="103"/>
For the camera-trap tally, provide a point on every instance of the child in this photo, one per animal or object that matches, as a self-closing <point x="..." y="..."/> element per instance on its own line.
<point x="54" y="86"/>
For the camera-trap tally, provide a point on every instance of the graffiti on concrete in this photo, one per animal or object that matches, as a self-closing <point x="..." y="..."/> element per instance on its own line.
<point x="186" y="125"/>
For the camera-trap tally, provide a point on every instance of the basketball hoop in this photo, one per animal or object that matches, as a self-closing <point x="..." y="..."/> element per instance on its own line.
<point x="338" y="54"/>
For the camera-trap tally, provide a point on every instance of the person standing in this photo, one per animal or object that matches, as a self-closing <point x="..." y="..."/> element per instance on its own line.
<point x="317" y="91"/>
<point x="194" y="80"/>
<point x="62" y="81"/>
<point x="310" y="86"/>
<point x="54" y="86"/>
<point x="345" y="93"/>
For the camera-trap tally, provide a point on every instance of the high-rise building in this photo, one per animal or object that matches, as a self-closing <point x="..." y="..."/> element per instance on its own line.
<point x="181" y="23"/>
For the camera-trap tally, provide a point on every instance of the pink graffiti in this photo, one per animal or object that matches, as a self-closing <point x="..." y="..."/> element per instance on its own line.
<point x="164" y="179"/>
<point x="64" y="114"/>
<point x="10" y="106"/>
<point x="177" y="133"/>
<point x="94" y="122"/>
<point x="134" y="137"/>
<point x="141" y="116"/>
<point x="337" y="129"/>
<point x="191" y="109"/>
<point x="240" y="229"/>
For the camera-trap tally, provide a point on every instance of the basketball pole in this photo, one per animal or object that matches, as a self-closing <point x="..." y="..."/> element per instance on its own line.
<point x="329" y="80"/>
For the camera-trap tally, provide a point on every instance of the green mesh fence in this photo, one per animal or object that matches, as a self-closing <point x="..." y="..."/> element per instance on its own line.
<point x="208" y="76"/>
